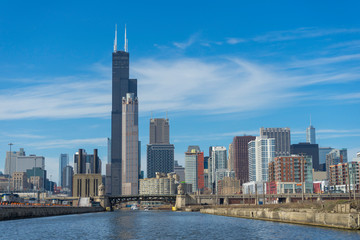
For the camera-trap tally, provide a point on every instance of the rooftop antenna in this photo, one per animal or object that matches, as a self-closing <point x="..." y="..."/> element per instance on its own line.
<point x="166" y="115"/>
<point x="151" y="115"/>
<point x="115" y="41"/>
<point x="310" y="119"/>
<point x="126" y="42"/>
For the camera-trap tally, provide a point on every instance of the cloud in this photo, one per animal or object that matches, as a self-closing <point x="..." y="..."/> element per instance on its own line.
<point x="69" y="143"/>
<point x="215" y="85"/>
<point x="301" y="33"/>
<point x="187" y="43"/>
<point x="235" y="40"/>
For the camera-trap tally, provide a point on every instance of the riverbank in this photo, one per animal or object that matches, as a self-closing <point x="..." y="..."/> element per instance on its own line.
<point x="342" y="217"/>
<point x="11" y="213"/>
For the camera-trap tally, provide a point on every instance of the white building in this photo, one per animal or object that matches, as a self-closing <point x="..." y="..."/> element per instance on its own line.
<point x="261" y="152"/>
<point x="19" y="162"/>
<point x="217" y="160"/>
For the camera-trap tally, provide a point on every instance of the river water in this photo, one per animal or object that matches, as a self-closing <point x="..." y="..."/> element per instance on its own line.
<point x="160" y="225"/>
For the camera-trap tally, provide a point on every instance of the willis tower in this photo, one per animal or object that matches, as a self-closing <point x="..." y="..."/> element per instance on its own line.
<point x="121" y="84"/>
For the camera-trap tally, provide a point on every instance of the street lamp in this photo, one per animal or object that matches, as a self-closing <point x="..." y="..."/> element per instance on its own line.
<point x="10" y="144"/>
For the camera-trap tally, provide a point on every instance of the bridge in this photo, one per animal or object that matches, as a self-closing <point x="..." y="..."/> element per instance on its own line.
<point x="168" y="198"/>
<point x="215" y="199"/>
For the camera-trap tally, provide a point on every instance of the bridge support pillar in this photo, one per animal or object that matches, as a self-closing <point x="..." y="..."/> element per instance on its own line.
<point x="104" y="202"/>
<point x="226" y="201"/>
<point x="288" y="199"/>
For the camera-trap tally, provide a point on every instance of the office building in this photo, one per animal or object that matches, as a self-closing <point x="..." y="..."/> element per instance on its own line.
<point x="63" y="162"/>
<point x="206" y="172"/>
<point x="220" y="174"/>
<point x="335" y="157"/>
<point x="261" y="153"/>
<point x="160" y="158"/>
<point x="36" y="177"/>
<point x="121" y="85"/>
<point x="282" y="139"/>
<point x="67" y="179"/>
<point x="310" y="134"/>
<point x="161" y="184"/>
<point x="194" y="168"/>
<point x="130" y="145"/>
<point x="240" y="155"/>
<point x="19" y="162"/>
<point x="180" y="171"/>
<point x="309" y="150"/>
<point x="160" y="153"/>
<point x="229" y="185"/>
<point x="159" y="131"/>
<point x="323" y="151"/>
<point x="230" y="163"/>
<point x="19" y="181"/>
<point x="217" y="160"/>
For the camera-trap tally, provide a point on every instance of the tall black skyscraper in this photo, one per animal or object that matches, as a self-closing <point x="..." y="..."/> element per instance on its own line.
<point x="121" y="84"/>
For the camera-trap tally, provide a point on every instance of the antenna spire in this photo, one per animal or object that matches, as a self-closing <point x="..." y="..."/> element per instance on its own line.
<point x="310" y="119"/>
<point x="125" y="42"/>
<point x="115" y="41"/>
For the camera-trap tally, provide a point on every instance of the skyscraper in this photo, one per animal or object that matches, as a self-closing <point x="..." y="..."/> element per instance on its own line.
<point x="194" y="168"/>
<point x="160" y="153"/>
<point x="282" y="139"/>
<point x="310" y="134"/>
<point x="335" y="157"/>
<point x="121" y="85"/>
<point x="159" y="131"/>
<point x="241" y="157"/>
<point x="130" y="142"/>
<point x="217" y="160"/>
<point x="307" y="149"/>
<point x="261" y="153"/>
<point x="63" y="162"/>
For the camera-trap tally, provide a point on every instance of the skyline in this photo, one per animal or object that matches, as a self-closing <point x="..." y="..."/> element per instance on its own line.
<point x="217" y="78"/>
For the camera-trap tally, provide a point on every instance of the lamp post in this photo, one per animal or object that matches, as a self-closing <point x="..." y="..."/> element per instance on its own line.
<point x="10" y="144"/>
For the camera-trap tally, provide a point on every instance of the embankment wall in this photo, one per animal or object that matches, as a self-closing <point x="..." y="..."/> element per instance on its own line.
<point x="298" y="216"/>
<point x="10" y="213"/>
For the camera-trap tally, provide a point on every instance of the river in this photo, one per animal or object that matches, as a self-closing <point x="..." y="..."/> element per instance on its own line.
<point x="161" y="225"/>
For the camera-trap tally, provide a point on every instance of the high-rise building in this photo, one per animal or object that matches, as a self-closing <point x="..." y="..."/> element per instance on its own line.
<point x="294" y="168"/>
<point x="194" y="168"/>
<point x="206" y="172"/>
<point x="130" y="145"/>
<point x="309" y="150"/>
<point x="19" y="162"/>
<point x="345" y="174"/>
<point x="261" y="153"/>
<point x="159" y="131"/>
<point x="67" y="178"/>
<point x="240" y="155"/>
<point x="63" y="162"/>
<point x="335" y="157"/>
<point x="310" y="134"/>
<point x="282" y="139"/>
<point x="160" y="153"/>
<point x="180" y="171"/>
<point x="217" y="160"/>
<point x="230" y="158"/>
<point x="87" y="163"/>
<point x="323" y="151"/>
<point x="121" y="85"/>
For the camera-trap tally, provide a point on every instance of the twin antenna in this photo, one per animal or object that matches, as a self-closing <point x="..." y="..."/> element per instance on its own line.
<point x="125" y="42"/>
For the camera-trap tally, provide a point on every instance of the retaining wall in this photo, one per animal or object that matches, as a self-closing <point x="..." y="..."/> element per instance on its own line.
<point x="9" y="213"/>
<point x="298" y="216"/>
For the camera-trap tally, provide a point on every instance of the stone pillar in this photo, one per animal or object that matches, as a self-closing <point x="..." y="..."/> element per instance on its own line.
<point x="226" y="201"/>
<point x="288" y="199"/>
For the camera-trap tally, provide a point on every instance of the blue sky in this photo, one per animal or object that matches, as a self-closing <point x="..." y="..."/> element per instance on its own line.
<point x="220" y="69"/>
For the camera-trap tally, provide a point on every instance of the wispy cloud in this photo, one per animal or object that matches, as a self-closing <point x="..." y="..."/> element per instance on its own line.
<point x="68" y="143"/>
<point x="183" y="45"/>
<point x="301" y="33"/>
<point x="235" y="40"/>
<point x="295" y="34"/>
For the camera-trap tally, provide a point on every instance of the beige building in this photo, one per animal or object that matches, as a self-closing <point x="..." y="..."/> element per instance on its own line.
<point x="37" y="182"/>
<point x="161" y="184"/>
<point x="19" y="181"/>
<point x="130" y="146"/>
<point x="229" y="185"/>
<point x="319" y="176"/>
<point x="86" y="185"/>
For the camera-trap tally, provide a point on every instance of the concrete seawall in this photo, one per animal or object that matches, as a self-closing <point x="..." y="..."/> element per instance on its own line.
<point x="10" y="213"/>
<point x="298" y="216"/>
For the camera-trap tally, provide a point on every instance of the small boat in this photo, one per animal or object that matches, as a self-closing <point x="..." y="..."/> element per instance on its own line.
<point x="134" y="207"/>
